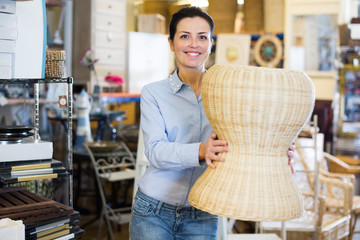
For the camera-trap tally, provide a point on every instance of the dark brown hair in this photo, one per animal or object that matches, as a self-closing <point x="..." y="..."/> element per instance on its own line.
<point x="189" y="12"/>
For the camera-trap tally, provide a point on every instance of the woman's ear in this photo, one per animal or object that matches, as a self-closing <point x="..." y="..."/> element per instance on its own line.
<point x="171" y="44"/>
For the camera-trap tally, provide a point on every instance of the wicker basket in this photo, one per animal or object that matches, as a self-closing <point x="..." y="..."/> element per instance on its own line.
<point x="55" y="63"/>
<point x="259" y="112"/>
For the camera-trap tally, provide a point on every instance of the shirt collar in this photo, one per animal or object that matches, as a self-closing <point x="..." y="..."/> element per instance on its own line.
<point x="175" y="82"/>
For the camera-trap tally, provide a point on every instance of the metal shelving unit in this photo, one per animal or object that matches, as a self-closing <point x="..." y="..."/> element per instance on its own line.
<point x="69" y="103"/>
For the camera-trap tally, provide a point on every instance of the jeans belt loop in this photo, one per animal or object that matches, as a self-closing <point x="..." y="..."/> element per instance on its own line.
<point x="193" y="213"/>
<point x="158" y="207"/>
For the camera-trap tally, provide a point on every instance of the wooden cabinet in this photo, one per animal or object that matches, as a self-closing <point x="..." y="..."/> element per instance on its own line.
<point x="99" y="25"/>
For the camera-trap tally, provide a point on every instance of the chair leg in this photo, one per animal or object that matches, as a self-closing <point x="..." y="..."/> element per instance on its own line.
<point x="353" y="219"/>
<point x="109" y="226"/>
<point x="102" y="215"/>
<point x="111" y="235"/>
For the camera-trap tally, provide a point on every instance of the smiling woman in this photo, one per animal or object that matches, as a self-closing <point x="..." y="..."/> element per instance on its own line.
<point x="192" y="45"/>
<point x="179" y="141"/>
<point x="178" y="138"/>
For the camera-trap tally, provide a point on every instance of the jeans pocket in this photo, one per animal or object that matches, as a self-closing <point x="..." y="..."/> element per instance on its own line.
<point x="142" y="208"/>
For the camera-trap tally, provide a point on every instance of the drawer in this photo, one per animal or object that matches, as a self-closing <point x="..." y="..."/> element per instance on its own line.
<point x="7" y="6"/>
<point x="9" y="33"/>
<point x="109" y="6"/>
<point x="5" y="72"/>
<point x="5" y="59"/>
<point x="109" y="23"/>
<point x="110" y="56"/>
<point x="109" y="39"/>
<point x="7" y="46"/>
<point x="8" y="20"/>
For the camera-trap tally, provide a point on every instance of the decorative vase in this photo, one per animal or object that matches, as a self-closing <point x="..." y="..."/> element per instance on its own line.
<point x="259" y="112"/>
<point x="83" y="128"/>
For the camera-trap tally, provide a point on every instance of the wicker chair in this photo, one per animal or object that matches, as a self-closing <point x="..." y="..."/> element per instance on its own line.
<point x="340" y="168"/>
<point x="112" y="162"/>
<point x="333" y="185"/>
<point x="349" y="160"/>
<point x="343" y="169"/>
<point x="343" y="164"/>
<point x="332" y="220"/>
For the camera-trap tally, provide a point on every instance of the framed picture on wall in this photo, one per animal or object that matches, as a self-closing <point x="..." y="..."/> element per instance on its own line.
<point x="233" y="49"/>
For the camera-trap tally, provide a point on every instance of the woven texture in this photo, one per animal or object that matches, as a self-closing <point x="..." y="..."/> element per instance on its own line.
<point x="259" y="111"/>
<point x="55" y="63"/>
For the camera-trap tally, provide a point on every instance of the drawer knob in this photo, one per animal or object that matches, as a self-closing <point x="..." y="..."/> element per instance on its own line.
<point x="109" y="6"/>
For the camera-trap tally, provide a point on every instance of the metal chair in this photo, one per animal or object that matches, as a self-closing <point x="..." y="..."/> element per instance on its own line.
<point x="112" y="162"/>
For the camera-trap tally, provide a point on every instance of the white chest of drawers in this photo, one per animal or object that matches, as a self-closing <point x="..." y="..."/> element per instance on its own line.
<point x="99" y="25"/>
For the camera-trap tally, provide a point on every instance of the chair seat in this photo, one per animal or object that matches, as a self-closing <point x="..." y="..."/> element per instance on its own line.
<point x="117" y="176"/>
<point x="303" y="228"/>
<point x="253" y="237"/>
<point x="338" y="202"/>
<point x="305" y="224"/>
<point x="121" y="219"/>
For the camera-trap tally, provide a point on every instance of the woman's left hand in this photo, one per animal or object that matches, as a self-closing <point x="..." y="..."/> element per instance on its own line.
<point x="290" y="153"/>
<point x="209" y="150"/>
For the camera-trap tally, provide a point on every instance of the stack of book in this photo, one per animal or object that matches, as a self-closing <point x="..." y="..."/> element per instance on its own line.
<point x="19" y="171"/>
<point x="25" y="159"/>
<point x="43" y="218"/>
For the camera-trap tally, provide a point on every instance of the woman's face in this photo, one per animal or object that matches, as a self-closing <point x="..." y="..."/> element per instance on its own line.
<point x="192" y="43"/>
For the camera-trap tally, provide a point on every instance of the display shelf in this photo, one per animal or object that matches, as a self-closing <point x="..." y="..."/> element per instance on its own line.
<point x="66" y="172"/>
<point x="69" y="105"/>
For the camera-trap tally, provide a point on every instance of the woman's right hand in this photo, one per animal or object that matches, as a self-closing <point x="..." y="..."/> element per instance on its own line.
<point x="209" y="150"/>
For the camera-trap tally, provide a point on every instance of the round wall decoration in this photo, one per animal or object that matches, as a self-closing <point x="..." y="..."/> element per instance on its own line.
<point x="268" y="51"/>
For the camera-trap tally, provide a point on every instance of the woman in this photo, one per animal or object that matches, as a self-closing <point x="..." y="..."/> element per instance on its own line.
<point x="179" y="141"/>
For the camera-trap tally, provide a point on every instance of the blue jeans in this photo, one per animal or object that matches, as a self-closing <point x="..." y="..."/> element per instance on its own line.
<point x="155" y="220"/>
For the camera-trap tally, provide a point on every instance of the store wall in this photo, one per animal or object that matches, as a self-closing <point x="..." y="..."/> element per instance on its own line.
<point x="254" y="18"/>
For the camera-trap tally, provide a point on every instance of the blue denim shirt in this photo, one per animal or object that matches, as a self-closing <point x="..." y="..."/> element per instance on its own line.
<point x="174" y="124"/>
